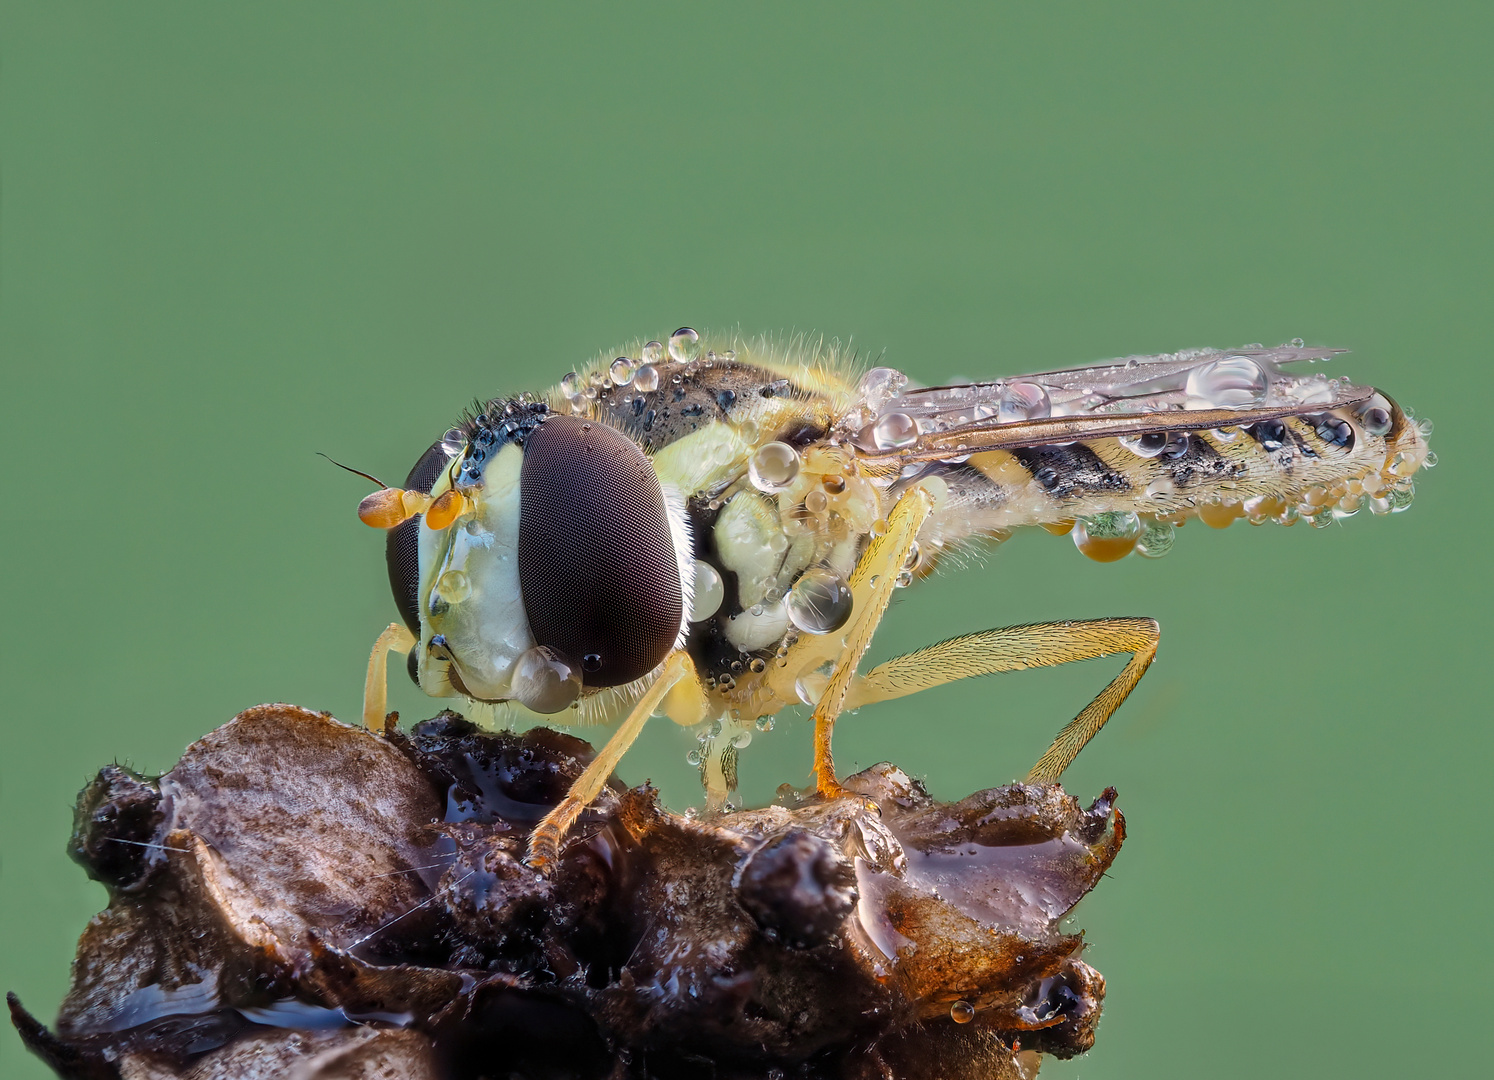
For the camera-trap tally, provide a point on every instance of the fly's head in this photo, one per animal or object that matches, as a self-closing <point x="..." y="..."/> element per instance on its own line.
<point x="536" y="558"/>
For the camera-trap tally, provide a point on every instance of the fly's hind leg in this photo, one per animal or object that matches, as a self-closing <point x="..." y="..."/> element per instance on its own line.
<point x="1015" y="648"/>
<point x="395" y="638"/>
<point x="544" y="842"/>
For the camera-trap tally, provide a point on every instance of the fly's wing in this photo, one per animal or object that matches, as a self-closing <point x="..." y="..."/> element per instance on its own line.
<point x="1193" y="390"/>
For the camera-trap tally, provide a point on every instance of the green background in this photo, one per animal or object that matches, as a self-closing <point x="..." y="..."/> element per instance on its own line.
<point x="235" y="235"/>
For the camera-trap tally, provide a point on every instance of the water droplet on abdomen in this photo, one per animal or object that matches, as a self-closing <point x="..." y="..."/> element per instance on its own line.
<point x="1109" y="536"/>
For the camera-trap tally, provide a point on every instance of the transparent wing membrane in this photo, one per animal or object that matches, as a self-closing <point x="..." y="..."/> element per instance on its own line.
<point x="1192" y="389"/>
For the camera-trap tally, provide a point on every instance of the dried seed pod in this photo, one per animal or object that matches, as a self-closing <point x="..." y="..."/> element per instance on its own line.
<point x="301" y="895"/>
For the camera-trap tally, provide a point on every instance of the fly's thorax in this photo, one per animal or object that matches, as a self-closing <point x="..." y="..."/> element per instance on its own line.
<point x="775" y="552"/>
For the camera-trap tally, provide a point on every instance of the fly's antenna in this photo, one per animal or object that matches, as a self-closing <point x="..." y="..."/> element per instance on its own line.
<point x="355" y="472"/>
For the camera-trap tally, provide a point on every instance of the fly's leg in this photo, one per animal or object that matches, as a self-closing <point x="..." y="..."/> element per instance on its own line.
<point x="395" y="638"/>
<point x="544" y="842"/>
<point x="871" y="586"/>
<point x="1016" y="648"/>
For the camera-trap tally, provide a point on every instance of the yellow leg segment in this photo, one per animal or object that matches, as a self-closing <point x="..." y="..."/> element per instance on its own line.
<point x="395" y="638"/>
<point x="871" y="584"/>
<point x="1016" y="648"/>
<point x="544" y="842"/>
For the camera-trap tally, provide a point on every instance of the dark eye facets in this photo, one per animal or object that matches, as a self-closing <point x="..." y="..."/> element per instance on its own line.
<point x="402" y="548"/>
<point x="597" y="567"/>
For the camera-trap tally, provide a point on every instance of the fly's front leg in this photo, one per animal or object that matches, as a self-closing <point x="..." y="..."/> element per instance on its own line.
<point x="1016" y="648"/>
<point x="871" y="586"/>
<point x="544" y="842"/>
<point x="395" y="638"/>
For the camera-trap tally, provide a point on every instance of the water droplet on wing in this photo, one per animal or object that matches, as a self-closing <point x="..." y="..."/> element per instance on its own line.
<point x="879" y="386"/>
<point x="1023" y="401"/>
<point x="895" y="430"/>
<point x="1232" y="382"/>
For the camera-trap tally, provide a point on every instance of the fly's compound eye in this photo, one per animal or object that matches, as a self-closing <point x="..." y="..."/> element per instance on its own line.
<point x="598" y="575"/>
<point x="402" y="543"/>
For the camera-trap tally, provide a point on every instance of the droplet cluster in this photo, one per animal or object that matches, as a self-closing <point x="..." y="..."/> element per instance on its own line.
<point x="1387" y="489"/>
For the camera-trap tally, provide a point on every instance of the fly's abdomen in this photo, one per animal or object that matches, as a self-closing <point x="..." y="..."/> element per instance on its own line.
<point x="1124" y="494"/>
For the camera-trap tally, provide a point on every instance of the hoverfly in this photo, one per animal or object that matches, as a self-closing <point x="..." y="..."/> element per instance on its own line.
<point x="713" y="529"/>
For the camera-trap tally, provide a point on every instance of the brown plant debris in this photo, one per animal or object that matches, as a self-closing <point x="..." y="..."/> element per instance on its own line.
<point x="302" y="898"/>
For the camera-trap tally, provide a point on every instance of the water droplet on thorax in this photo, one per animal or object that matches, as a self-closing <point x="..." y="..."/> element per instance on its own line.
<point x="773" y="467"/>
<point x="709" y="592"/>
<point x="646" y="378"/>
<point x="684" y="345"/>
<point x="621" y="371"/>
<point x="820" y="601"/>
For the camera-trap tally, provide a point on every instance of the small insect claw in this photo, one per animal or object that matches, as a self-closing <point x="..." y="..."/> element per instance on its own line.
<point x="544" y="851"/>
